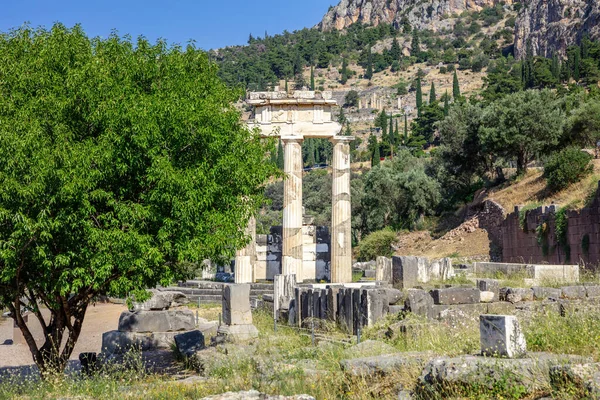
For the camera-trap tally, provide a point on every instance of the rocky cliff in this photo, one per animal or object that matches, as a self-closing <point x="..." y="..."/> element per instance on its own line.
<point x="549" y="26"/>
<point x="421" y="14"/>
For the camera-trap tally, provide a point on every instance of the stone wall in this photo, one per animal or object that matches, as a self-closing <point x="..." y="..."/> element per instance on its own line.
<point x="537" y="242"/>
<point x="491" y="216"/>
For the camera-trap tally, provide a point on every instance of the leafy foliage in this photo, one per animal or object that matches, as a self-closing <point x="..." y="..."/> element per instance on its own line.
<point x="376" y="244"/>
<point x="567" y="167"/>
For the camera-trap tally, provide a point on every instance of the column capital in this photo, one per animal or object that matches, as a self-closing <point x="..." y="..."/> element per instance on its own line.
<point x="292" y="139"/>
<point x="343" y="139"/>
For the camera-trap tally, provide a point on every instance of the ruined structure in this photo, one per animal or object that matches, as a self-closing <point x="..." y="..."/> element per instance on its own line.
<point x="295" y="117"/>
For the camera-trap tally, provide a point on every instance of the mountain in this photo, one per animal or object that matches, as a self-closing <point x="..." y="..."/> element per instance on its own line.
<point x="420" y="14"/>
<point x="545" y="27"/>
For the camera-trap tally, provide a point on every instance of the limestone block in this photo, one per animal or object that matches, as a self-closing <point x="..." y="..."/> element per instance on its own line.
<point x="486" y="297"/>
<point x="283" y="292"/>
<point x="419" y="302"/>
<point x="375" y="305"/>
<point x="515" y="295"/>
<point x="161" y="300"/>
<point x="157" y="321"/>
<point x="455" y="296"/>
<point x="490" y="285"/>
<point x="115" y="342"/>
<point x="394" y="296"/>
<point x="585" y="378"/>
<point x="385" y="364"/>
<point x="573" y="292"/>
<point x="405" y="272"/>
<point x="384" y="270"/>
<point x="592" y="290"/>
<point x="543" y="293"/>
<point x="501" y="336"/>
<point x="189" y="343"/>
<point x="236" y="304"/>
<point x="238" y="333"/>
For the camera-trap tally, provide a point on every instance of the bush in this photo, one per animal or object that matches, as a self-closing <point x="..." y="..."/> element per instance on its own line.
<point x="378" y="243"/>
<point x="567" y="167"/>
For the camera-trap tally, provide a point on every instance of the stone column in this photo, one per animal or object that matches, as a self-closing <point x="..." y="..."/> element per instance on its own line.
<point x="292" y="208"/>
<point x="246" y="257"/>
<point x="341" y="224"/>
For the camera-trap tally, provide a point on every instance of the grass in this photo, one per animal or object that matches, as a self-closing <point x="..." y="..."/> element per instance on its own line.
<point x="286" y="363"/>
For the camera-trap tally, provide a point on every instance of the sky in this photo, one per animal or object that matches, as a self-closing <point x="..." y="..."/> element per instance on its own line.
<point x="211" y="24"/>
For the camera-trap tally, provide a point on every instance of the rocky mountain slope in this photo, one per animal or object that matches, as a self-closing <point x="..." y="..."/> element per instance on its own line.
<point x="549" y="26"/>
<point x="419" y="13"/>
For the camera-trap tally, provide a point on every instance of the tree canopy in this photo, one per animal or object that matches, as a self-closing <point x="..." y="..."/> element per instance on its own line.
<point x="123" y="164"/>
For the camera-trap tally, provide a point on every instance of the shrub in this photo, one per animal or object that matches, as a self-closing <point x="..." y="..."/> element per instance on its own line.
<point x="378" y="243"/>
<point x="566" y="167"/>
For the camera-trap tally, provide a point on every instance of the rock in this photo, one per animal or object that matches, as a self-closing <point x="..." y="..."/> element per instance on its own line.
<point x="115" y="342"/>
<point x="515" y="295"/>
<point x="189" y="343"/>
<point x="405" y="271"/>
<point x="410" y="328"/>
<point x="396" y="309"/>
<point x="573" y="292"/>
<point x="455" y="296"/>
<point x="369" y="348"/>
<point x="255" y="395"/>
<point x="543" y="293"/>
<point x="501" y="336"/>
<point x="385" y="364"/>
<point x="487" y="297"/>
<point x="162" y="300"/>
<point x="592" y="290"/>
<point x="419" y="302"/>
<point x="584" y="378"/>
<point x="236" y="304"/>
<point x="208" y="328"/>
<point x="157" y="321"/>
<point x="237" y="333"/>
<point x="384" y="270"/>
<point x="447" y="376"/>
<point x="394" y="296"/>
<point x="490" y="285"/>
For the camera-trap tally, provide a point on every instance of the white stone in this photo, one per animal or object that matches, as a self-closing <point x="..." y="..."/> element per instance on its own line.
<point x="501" y="336"/>
<point x="236" y="304"/>
<point x="486" y="297"/>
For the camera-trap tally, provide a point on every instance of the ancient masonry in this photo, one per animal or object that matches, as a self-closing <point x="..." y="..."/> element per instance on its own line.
<point x="295" y="117"/>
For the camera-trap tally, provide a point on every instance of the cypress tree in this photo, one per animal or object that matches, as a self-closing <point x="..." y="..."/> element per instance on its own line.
<point x="312" y="78"/>
<point x="344" y="71"/>
<point x="455" y="87"/>
<point x="310" y="159"/>
<point x="432" y="95"/>
<point x="395" y="51"/>
<point x="369" y="72"/>
<point x="419" y="97"/>
<point x="555" y="67"/>
<point x="415" y="46"/>
<point x="375" y="161"/>
<point x="405" y="129"/>
<point x="446" y="104"/>
<point x="280" y="162"/>
<point x="576" y="62"/>
<point x="391" y="131"/>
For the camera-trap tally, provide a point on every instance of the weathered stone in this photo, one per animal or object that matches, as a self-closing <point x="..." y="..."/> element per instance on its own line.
<point x="583" y="378"/>
<point x="459" y="314"/>
<point x="396" y="309"/>
<point x="411" y="328"/>
<point x="445" y="376"/>
<point x="490" y="285"/>
<point x="487" y="297"/>
<point x="455" y="296"/>
<point x="237" y="333"/>
<point x="157" y="321"/>
<point x="115" y="342"/>
<point x="419" y="302"/>
<point x="384" y="269"/>
<point x="502" y="308"/>
<point x="515" y="295"/>
<point x="394" y="296"/>
<point x="501" y="336"/>
<point x="255" y="395"/>
<point x="189" y="343"/>
<point x="386" y="364"/>
<point x="573" y="292"/>
<point x="161" y="300"/>
<point x="592" y="290"/>
<point x="543" y="293"/>
<point x="236" y="305"/>
<point x="405" y="272"/>
<point x="369" y="348"/>
<point x="376" y="307"/>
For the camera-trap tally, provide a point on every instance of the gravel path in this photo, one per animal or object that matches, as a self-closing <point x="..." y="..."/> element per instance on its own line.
<point x="99" y="319"/>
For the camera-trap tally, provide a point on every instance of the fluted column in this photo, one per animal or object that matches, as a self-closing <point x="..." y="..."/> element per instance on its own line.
<point x="245" y="258"/>
<point x="341" y="212"/>
<point x="292" y="208"/>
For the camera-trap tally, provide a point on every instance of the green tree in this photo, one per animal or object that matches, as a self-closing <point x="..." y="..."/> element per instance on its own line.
<point x="280" y="160"/>
<point x="424" y="124"/>
<point x="375" y="160"/>
<point x="123" y="164"/>
<point x="446" y="103"/>
<point x="415" y="46"/>
<point x="419" y="96"/>
<point x="382" y="122"/>
<point x="522" y="124"/>
<point x="455" y="87"/>
<point x="395" y="51"/>
<point x="345" y="74"/>
<point x="583" y="125"/>
<point x="432" y="95"/>
<point x="369" y="68"/>
<point x="351" y="99"/>
<point x="312" y="77"/>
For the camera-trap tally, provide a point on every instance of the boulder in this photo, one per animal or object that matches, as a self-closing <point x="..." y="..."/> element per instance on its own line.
<point x="157" y="321"/>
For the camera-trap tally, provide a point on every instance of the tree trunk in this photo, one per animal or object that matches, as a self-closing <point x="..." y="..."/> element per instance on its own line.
<point x="521" y="164"/>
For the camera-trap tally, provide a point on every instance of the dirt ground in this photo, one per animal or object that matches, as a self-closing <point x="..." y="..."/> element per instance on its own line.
<point x="99" y="319"/>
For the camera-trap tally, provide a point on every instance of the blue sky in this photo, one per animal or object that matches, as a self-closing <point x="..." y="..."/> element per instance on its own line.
<point x="210" y="23"/>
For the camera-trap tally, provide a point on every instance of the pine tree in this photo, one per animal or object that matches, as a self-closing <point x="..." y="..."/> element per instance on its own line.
<point x="555" y="67"/>
<point x="280" y="162"/>
<point x="395" y="51"/>
<point x="446" y="104"/>
<point x="376" y="160"/>
<point x="391" y="131"/>
<point x="405" y="129"/>
<point x="432" y="95"/>
<point x="455" y="87"/>
<point x="419" y="96"/>
<point x="310" y="159"/>
<point x="312" y="78"/>
<point x="576" y="62"/>
<point x="369" y="72"/>
<point x="342" y="117"/>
